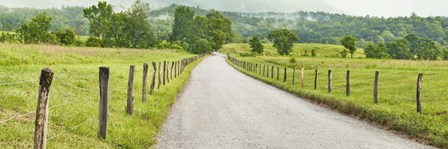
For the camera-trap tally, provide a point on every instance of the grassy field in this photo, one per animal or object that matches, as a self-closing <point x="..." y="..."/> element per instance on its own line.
<point x="74" y="97"/>
<point x="397" y="88"/>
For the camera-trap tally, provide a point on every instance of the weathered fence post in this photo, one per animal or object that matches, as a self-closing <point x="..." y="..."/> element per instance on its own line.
<point x="164" y="72"/>
<point x="272" y="72"/>
<point x="293" y="75"/>
<point x="278" y="73"/>
<point x="285" y="75"/>
<point x="153" y="82"/>
<point x="330" y="77"/>
<point x="130" y="101"/>
<point x="104" y="102"/>
<point x="159" y="77"/>
<point x="302" y="77"/>
<point x="145" y="80"/>
<point x="315" y="79"/>
<point x="168" y="72"/>
<point x="178" y="67"/>
<point x="267" y="72"/>
<point x="375" y="88"/>
<point x="347" y="86"/>
<point x="264" y="68"/>
<point x="419" y="90"/>
<point x="40" y="123"/>
<point x="171" y="72"/>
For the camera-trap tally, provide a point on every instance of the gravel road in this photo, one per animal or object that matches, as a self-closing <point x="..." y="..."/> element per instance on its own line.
<point x="222" y="108"/>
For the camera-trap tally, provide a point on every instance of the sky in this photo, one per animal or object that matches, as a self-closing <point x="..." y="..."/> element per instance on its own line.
<point x="386" y="8"/>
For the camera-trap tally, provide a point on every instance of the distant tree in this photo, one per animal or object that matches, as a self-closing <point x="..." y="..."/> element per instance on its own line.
<point x="66" y="37"/>
<point x="99" y="17"/>
<point x="183" y="23"/>
<point x="201" y="46"/>
<point x="220" y="29"/>
<point x="283" y="40"/>
<point x="344" y="53"/>
<point x="138" y="28"/>
<point x="399" y="49"/>
<point x="349" y="43"/>
<point x="376" y="51"/>
<point x="119" y="28"/>
<point x="93" y="42"/>
<point x="256" y="45"/>
<point x="36" y="31"/>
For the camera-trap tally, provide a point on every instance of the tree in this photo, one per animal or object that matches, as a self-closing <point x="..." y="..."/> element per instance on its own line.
<point x="138" y="28"/>
<point x="220" y="29"/>
<point x="349" y="43"/>
<point x="201" y="46"/>
<point x="66" y="37"/>
<point x="36" y="31"/>
<point x="99" y="17"/>
<point x="376" y="51"/>
<point x="399" y="49"/>
<point x="183" y="22"/>
<point x="256" y="45"/>
<point x="283" y="40"/>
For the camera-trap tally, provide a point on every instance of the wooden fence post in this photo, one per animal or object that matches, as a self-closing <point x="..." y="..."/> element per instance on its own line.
<point x="178" y="67"/>
<point x="168" y="72"/>
<point x="153" y="82"/>
<point x="175" y="69"/>
<point x="130" y="101"/>
<point x="272" y="72"/>
<point x="347" y="86"/>
<point x="145" y="80"/>
<point x="315" y="79"/>
<point x="104" y="102"/>
<point x="278" y="73"/>
<point x="171" y="72"/>
<point x="40" y="123"/>
<point x="284" y="75"/>
<point x="330" y="77"/>
<point x="302" y="77"/>
<point x="164" y="72"/>
<point x="264" y="68"/>
<point x="267" y="72"/>
<point x="375" y="88"/>
<point x="419" y="90"/>
<point x="159" y="77"/>
<point x="293" y="75"/>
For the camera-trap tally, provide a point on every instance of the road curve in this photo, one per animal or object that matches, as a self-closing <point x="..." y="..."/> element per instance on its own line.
<point x="222" y="108"/>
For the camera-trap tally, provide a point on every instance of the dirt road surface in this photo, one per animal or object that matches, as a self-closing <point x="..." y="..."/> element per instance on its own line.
<point x="223" y="108"/>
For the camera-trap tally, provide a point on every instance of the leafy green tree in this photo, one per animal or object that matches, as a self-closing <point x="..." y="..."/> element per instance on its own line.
<point x="36" y="31"/>
<point x="201" y="46"/>
<point x="256" y="45"/>
<point x="66" y="37"/>
<point x="183" y="22"/>
<point x="376" y="51"/>
<point x="99" y="17"/>
<point x="138" y="28"/>
<point x="399" y="49"/>
<point x="93" y="42"/>
<point x="283" y="40"/>
<point x="349" y="43"/>
<point x="119" y="29"/>
<point x="220" y="29"/>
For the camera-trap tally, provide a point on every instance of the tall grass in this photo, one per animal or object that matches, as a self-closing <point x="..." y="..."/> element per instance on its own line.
<point x="74" y="96"/>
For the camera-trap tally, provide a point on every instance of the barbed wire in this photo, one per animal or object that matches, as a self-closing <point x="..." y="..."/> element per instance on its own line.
<point x="14" y="117"/>
<point x="19" y="82"/>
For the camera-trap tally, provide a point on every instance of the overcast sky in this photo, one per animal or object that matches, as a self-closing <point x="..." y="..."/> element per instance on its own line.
<point x="386" y="8"/>
<point x="392" y="7"/>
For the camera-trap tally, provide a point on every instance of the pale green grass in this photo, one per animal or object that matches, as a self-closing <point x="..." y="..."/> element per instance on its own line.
<point x="397" y="89"/>
<point x="74" y="95"/>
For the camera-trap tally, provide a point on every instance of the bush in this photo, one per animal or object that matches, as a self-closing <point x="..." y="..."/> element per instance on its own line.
<point x="292" y="60"/>
<point x="344" y="53"/>
<point x="313" y="53"/>
<point x="93" y="42"/>
<point x="66" y="37"/>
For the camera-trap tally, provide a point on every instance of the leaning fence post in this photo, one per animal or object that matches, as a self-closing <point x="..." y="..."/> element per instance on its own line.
<point x="278" y="73"/>
<point x="164" y="72"/>
<point x="104" y="102"/>
<point x="293" y="75"/>
<point x="284" y="75"/>
<point x="329" y="81"/>
<point x="160" y="78"/>
<point x="272" y="72"/>
<point x="130" y="101"/>
<point x="153" y="82"/>
<point x="171" y="72"/>
<point x="419" y="90"/>
<point x="302" y="77"/>
<point x="347" y="86"/>
<point x="375" y="88"/>
<point x="315" y="79"/>
<point x="40" y="123"/>
<point x="145" y="80"/>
